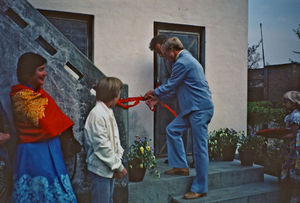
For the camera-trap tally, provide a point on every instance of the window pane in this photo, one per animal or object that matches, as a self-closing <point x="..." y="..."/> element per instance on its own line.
<point x="190" y="41"/>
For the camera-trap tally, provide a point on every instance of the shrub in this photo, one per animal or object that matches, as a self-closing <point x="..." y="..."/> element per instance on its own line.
<point x="218" y="139"/>
<point x="263" y="113"/>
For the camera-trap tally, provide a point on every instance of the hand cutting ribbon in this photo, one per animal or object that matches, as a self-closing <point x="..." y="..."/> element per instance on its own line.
<point x="136" y="101"/>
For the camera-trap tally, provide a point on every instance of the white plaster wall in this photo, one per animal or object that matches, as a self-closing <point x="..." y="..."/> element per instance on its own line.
<point x="124" y="28"/>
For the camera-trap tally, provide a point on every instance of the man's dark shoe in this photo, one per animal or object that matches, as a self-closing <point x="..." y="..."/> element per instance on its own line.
<point x="178" y="171"/>
<point x="193" y="195"/>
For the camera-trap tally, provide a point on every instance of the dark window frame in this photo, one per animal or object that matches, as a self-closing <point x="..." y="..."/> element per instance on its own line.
<point x="76" y="16"/>
<point x="181" y="28"/>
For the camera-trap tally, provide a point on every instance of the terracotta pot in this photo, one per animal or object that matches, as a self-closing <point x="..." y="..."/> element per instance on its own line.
<point x="228" y="152"/>
<point x="247" y="157"/>
<point x="136" y="174"/>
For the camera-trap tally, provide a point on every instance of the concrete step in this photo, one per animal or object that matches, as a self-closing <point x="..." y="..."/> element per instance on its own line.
<point x="260" y="192"/>
<point x="221" y="174"/>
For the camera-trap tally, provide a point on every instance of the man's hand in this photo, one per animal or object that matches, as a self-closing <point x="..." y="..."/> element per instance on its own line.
<point x="149" y="94"/>
<point x="119" y="175"/>
<point x="152" y="101"/>
<point x="4" y="137"/>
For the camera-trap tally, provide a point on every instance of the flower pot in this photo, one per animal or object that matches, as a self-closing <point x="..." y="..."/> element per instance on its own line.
<point x="247" y="157"/>
<point x="228" y="152"/>
<point x="136" y="174"/>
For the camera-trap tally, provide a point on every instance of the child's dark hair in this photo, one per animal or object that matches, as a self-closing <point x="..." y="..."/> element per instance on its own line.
<point x="108" y="88"/>
<point x="27" y="66"/>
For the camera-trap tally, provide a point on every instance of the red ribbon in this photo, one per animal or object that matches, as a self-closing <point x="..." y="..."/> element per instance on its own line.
<point x="137" y="100"/>
<point x="169" y="108"/>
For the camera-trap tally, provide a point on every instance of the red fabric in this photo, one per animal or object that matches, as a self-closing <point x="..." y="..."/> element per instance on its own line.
<point x="52" y="124"/>
<point x="137" y="100"/>
<point x="273" y="133"/>
<point x="169" y="108"/>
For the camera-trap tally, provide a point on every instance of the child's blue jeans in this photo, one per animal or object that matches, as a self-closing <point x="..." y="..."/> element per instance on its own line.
<point x="102" y="188"/>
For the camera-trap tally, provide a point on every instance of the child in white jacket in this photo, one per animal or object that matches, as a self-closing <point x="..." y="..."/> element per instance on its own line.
<point x="102" y="142"/>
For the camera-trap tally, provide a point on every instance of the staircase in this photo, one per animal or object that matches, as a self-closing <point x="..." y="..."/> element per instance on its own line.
<point x="228" y="182"/>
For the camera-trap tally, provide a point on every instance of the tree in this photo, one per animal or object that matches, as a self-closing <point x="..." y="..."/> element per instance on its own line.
<point x="254" y="56"/>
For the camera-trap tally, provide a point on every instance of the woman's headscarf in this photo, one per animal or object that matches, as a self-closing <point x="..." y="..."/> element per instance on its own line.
<point x="293" y="96"/>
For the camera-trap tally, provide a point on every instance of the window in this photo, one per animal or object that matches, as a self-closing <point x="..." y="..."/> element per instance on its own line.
<point x="78" y="28"/>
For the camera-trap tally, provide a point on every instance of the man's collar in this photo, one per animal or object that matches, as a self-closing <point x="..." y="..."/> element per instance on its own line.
<point x="178" y="54"/>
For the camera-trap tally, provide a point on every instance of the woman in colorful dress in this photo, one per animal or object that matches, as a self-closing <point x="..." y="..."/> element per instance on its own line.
<point x="40" y="174"/>
<point x="290" y="172"/>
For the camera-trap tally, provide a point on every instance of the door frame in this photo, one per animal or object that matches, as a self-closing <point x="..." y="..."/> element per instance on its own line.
<point x="178" y="28"/>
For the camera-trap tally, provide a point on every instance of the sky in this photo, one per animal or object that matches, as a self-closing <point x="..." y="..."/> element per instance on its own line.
<point x="278" y="18"/>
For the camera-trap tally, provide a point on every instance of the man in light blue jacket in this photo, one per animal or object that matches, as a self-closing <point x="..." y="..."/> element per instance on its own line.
<point x="188" y="84"/>
<point x="163" y="75"/>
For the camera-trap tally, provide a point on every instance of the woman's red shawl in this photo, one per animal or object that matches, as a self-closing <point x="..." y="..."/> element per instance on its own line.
<point x="37" y="117"/>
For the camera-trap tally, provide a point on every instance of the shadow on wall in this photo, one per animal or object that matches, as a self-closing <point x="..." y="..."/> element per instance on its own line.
<point x="136" y="127"/>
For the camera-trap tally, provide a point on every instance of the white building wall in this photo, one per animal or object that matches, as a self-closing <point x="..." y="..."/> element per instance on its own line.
<point x="124" y="28"/>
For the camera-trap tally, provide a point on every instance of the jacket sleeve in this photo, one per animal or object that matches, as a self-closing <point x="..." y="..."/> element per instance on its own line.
<point x="167" y="97"/>
<point x="102" y="145"/>
<point x="178" y="74"/>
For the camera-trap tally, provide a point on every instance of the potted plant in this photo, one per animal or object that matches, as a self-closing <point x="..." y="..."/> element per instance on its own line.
<point x="273" y="157"/>
<point x="214" y="147"/>
<point x="229" y="139"/>
<point x="248" y="145"/>
<point x="141" y="157"/>
<point x="222" y="144"/>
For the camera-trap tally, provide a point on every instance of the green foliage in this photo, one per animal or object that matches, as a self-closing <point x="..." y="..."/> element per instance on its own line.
<point x="251" y="142"/>
<point x="274" y="149"/>
<point x="264" y="112"/>
<point x="140" y="155"/>
<point x="273" y="157"/>
<point x="214" y="147"/>
<point x="261" y="114"/>
<point x="228" y="136"/>
<point x="217" y="139"/>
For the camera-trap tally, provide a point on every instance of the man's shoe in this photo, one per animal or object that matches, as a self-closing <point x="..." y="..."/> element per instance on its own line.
<point x="178" y="171"/>
<point x="193" y="195"/>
